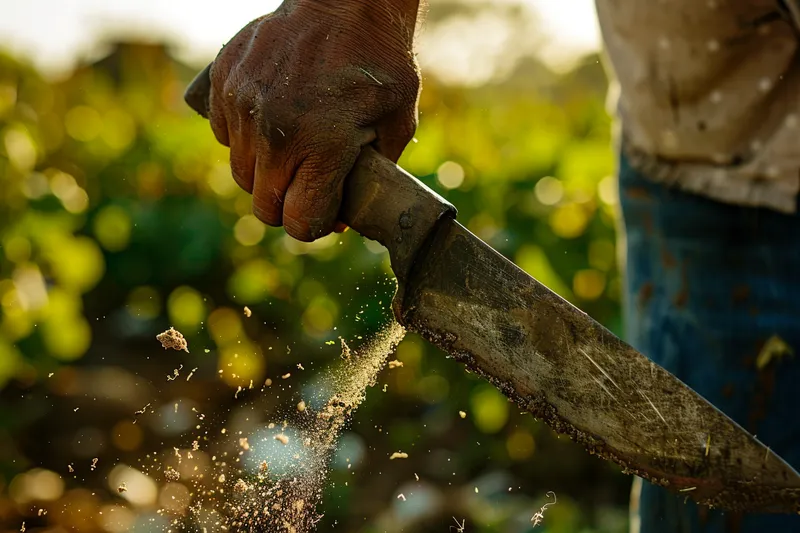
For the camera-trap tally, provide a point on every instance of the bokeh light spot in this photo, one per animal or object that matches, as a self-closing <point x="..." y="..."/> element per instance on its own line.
<point x="76" y="262"/>
<point x="186" y="308"/>
<point x="66" y="337"/>
<point x="83" y="123"/>
<point x="240" y="364"/>
<point x="253" y="281"/>
<point x="144" y="303"/>
<point x="549" y="190"/>
<point x="112" y="228"/>
<point x="450" y="175"/>
<point x="20" y="148"/>
<point x="589" y="284"/>
<point x="249" y="230"/>
<point x="520" y="445"/>
<point x="489" y="409"/>
<point x="569" y="221"/>
<point x="126" y="435"/>
<point x="37" y="485"/>
<point x="225" y="325"/>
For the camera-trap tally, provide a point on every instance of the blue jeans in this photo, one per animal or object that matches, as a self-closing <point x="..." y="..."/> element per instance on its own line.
<point x="707" y="284"/>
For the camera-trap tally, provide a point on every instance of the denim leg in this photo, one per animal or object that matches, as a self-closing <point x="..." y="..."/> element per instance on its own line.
<point x="707" y="285"/>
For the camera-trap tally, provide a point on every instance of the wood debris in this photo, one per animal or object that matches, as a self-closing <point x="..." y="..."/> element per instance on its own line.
<point x="244" y="444"/>
<point x="141" y="411"/>
<point x="241" y="486"/>
<point x="395" y="364"/>
<point x="401" y="496"/>
<point x="123" y="487"/>
<point x="247" y="312"/>
<point x="174" y="339"/>
<point x="537" y="518"/>
<point x="346" y="352"/>
<point x="170" y="474"/>
<point x="774" y="349"/>
<point x="462" y="414"/>
<point x="175" y="373"/>
<point x="301" y="406"/>
<point x="283" y="439"/>
<point x="398" y="455"/>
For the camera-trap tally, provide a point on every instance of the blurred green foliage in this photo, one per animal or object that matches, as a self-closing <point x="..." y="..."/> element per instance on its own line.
<point x="120" y="218"/>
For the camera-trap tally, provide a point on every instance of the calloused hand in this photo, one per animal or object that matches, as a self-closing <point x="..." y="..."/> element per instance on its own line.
<point x="296" y="94"/>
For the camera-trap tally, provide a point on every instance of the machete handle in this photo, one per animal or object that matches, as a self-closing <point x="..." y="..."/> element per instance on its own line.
<point x="381" y="201"/>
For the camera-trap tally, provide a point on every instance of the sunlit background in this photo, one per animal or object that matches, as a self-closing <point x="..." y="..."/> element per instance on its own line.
<point x="119" y="218"/>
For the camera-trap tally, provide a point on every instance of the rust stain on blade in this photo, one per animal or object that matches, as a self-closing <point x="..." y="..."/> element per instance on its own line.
<point x="557" y="363"/>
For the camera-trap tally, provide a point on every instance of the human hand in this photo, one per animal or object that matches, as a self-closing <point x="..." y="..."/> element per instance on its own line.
<point x="298" y="93"/>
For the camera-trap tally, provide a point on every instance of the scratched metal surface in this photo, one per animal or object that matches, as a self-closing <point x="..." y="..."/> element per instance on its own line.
<point x="557" y="363"/>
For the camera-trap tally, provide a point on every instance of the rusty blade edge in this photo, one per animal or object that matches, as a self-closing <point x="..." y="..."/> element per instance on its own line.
<point x="456" y="273"/>
<point x="733" y="496"/>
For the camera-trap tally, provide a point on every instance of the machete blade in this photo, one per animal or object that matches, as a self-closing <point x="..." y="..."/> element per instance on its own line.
<point x="557" y="363"/>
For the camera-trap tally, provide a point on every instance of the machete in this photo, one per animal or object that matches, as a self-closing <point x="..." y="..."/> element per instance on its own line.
<point x="550" y="358"/>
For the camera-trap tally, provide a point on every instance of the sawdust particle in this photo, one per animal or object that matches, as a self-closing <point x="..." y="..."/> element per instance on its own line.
<point x="301" y="406"/>
<point x="247" y="312"/>
<point x="395" y="364"/>
<point x="241" y="486"/>
<point x="462" y="414"/>
<point x="170" y="474"/>
<point x="398" y="455"/>
<point x="283" y="439"/>
<point x="346" y="352"/>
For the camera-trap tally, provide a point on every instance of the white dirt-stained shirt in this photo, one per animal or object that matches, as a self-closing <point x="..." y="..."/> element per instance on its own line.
<point x="708" y="94"/>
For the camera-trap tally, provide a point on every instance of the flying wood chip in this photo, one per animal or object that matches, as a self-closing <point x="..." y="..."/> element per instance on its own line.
<point x="172" y="338"/>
